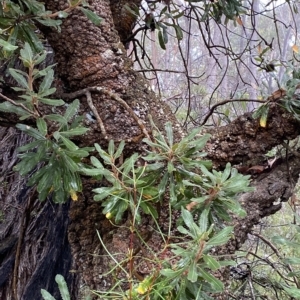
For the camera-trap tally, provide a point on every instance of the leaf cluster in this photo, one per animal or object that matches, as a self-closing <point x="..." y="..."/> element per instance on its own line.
<point x="19" y="19"/>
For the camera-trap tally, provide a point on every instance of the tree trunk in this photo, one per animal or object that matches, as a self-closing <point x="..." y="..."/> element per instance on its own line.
<point x="40" y="240"/>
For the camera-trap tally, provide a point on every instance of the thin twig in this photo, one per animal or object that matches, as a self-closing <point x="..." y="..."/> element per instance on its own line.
<point x="225" y="102"/>
<point x="102" y="90"/>
<point x="95" y="112"/>
<point x="17" y="104"/>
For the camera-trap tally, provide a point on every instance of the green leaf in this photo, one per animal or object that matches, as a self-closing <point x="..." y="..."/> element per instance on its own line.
<point x="69" y="144"/>
<point x="78" y="153"/>
<point x="45" y="182"/>
<point x="46" y="295"/>
<point x="7" y="46"/>
<point x="187" y="218"/>
<point x="31" y="131"/>
<point x="179" y="33"/>
<point x="203" y="219"/>
<point x="50" y="22"/>
<point x="53" y="102"/>
<point x="149" y="209"/>
<point x="171" y="167"/>
<point x="169" y="132"/>
<point x="283" y="241"/>
<point x="215" y="283"/>
<point x="120" y="149"/>
<point x="163" y="184"/>
<point x="91" y="172"/>
<point x="292" y="260"/>
<point x="72" y="109"/>
<point x="96" y="162"/>
<point x="62" y="285"/>
<point x="31" y="37"/>
<point x="39" y="58"/>
<point x="69" y="163"/>
<point x="192" y="272"/>
<point x="46" y="92"/>
<point x="21" y="80"/>
<point x="56" y="118"/>
<point x="211" y="262"/>
<point x="62" y="14"/>
<point x="92" y="16"/>
<point x="42" y="126"/>
<point x="111" y="148"/>
<point x="259" y="111"/>
<point x="221" y="237"/>
<point x="226" y="172"/>
<point x="170" y="274"/>
<point x="292" y="291"/>
<point x="74" y="131"/>
<point x="161" y="40"/>
<point x="29" y="146"/>
<point x="27" y="55"/>
<point x="47" y="81"/>
<point x="11" y="108"/>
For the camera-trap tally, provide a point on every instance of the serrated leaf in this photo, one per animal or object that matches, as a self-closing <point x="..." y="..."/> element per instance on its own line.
<point x="27" y="55"/>
<point x="96" y="162"/>
<point x="111" y="147"/>
<point x="120" y="149"/>
<point x="38" y="59"/>
<point x="7" y="46"/>
<point x="31" y="37"/>
<point x="187" y="218"/>
<point x="46" y="92"/>
<point x="69" y="163"/>
<point x="47" y="81"/>
<point x="21" y="80"/>
<point x="103" y="193"/>
<point x="46" y="295"/>
<point x="56" y="118"/>
<point x="203" y="219"/>
<point x="63" y="288"/>
<point x="69" y="144"/>
<point x="92" y="16"/>
<point x="72" y="109"/>
<point x="29" y="146"/>
<point x="42" y="126"/>
<point x="74" y="131"/>
<point x="31" y="131"/>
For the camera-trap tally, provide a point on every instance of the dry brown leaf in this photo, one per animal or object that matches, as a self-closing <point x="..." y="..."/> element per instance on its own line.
<point x="295" y="48"/>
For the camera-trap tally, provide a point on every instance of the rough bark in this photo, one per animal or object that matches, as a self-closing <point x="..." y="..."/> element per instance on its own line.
<point x="39" y="240"/>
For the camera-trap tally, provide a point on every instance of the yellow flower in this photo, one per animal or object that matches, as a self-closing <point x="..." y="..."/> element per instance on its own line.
<point x="108" y="215"/>
<point x="73" y="195"/>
